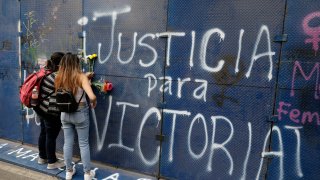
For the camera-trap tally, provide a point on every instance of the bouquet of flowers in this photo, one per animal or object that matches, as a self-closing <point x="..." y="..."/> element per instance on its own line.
<point x="91" y="59"/>
<point x="103" y="86"/>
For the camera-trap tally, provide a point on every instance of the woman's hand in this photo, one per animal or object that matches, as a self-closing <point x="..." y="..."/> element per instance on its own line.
<point x="89" y="75"/>
<point x="85" y="83"/>
<point x="93" y="103"/>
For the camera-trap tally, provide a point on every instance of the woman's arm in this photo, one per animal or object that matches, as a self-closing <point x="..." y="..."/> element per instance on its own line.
<point x="86" y="86"/>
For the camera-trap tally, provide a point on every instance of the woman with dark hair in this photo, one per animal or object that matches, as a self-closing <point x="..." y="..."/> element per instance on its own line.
<point x="49" y="118"/>
<point x="71" y="78"/>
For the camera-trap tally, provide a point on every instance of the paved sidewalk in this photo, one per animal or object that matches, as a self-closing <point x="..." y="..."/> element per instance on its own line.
<point x="19" y="162"/>
<point x="13" y="172"/>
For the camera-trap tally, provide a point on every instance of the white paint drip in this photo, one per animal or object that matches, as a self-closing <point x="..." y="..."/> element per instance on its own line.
<point x="245" y="163"/>
<point x="239" y="51"/>
<point x="215" y="146"/>
<point x="166" y="87"/>
<point x="120" y="142"/>
<point x="169" y="35"/>
<point x="154" y="52"/>
<point x="269" y="53"/>
<point x="180" y="84"/>
<point x="155" y="159"/>
<point x="193" y="155"/>
<point x="100" y="141"/>
<point x="203" y="49"/>
<point x="298" y="149"/>
<point x="201" y="91"/>
<point x="133" y="50"/>
<point x="193" y="37"/>
<point x="150" y="88"/>
<point x="175" y="113"/>
<point x="272" y="153"/>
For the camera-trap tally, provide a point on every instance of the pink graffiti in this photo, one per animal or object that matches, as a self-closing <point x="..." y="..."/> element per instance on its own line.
<point x="316" y="68"/>
<point x="314" y="32"/>
<point x="296" y="115"/>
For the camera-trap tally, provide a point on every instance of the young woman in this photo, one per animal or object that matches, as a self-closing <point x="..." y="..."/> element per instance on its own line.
<point x="71" y="78"/>
<point x="50" y="122"/>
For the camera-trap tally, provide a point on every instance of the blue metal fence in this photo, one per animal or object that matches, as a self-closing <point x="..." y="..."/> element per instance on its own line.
<point x="202" y="89"/>
<point x="9" y="72"/>
<point x="297" y="104"/>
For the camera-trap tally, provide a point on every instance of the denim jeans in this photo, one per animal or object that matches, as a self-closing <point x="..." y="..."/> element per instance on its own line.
<point x="50" y="129"/>
<point x="76" y="122"/>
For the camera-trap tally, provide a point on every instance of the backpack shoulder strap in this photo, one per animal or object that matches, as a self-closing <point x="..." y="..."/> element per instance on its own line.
<point x="81" y="96"/>
<point x="48" y="95"/>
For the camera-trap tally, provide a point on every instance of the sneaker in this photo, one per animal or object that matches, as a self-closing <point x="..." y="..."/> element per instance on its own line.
<point x="70" y="173"/>
<point x="42" y="161"/>
<point x="58" y="164"/>
<point x="89" y="175"/>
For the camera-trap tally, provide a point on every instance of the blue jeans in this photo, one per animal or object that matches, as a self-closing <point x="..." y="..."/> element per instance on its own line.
<point x="71" y="122"/>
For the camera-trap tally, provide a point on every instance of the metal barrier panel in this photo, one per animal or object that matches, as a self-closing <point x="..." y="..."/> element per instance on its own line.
<point x="220" y="77"/>
<point x="47" y="26"/>
<point x="10" y="108"/>
<point x="200" y="87"/>
<point x="131" y="56"/>
<point x="295" y="136"/>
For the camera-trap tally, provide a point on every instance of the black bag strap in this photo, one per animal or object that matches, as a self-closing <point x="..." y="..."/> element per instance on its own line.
<point x="71" y="94"/>
<point x="81" y="96"/>
<point x="46" y="97"/>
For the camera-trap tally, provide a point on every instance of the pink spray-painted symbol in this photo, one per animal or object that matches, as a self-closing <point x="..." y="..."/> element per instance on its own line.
<point x="314" y="32"/>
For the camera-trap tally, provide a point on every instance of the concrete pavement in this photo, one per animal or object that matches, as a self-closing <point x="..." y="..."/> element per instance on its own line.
<point x="14" y="172"/>
<point x="19" y="162"/>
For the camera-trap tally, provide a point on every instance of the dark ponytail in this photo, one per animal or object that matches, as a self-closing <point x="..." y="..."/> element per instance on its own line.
<point x="54" y="61"/>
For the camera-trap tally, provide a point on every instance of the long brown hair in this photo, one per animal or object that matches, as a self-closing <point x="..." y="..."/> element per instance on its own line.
<point x="68" y="73"/>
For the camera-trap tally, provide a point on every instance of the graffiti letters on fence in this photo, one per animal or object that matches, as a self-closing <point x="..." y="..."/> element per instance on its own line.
<point x="171" y="36"/>
<point x="211" y="145"/>
<point x="24" y="155"/>
<point x="30" y="40"/>
<point x="312" y="32"/>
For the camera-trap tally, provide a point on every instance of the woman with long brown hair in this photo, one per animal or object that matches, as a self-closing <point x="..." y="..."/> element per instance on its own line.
<point x="71" y="78"/>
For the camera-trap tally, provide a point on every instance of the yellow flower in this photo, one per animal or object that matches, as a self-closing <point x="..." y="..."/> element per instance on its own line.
<point x="92" y="56"/>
